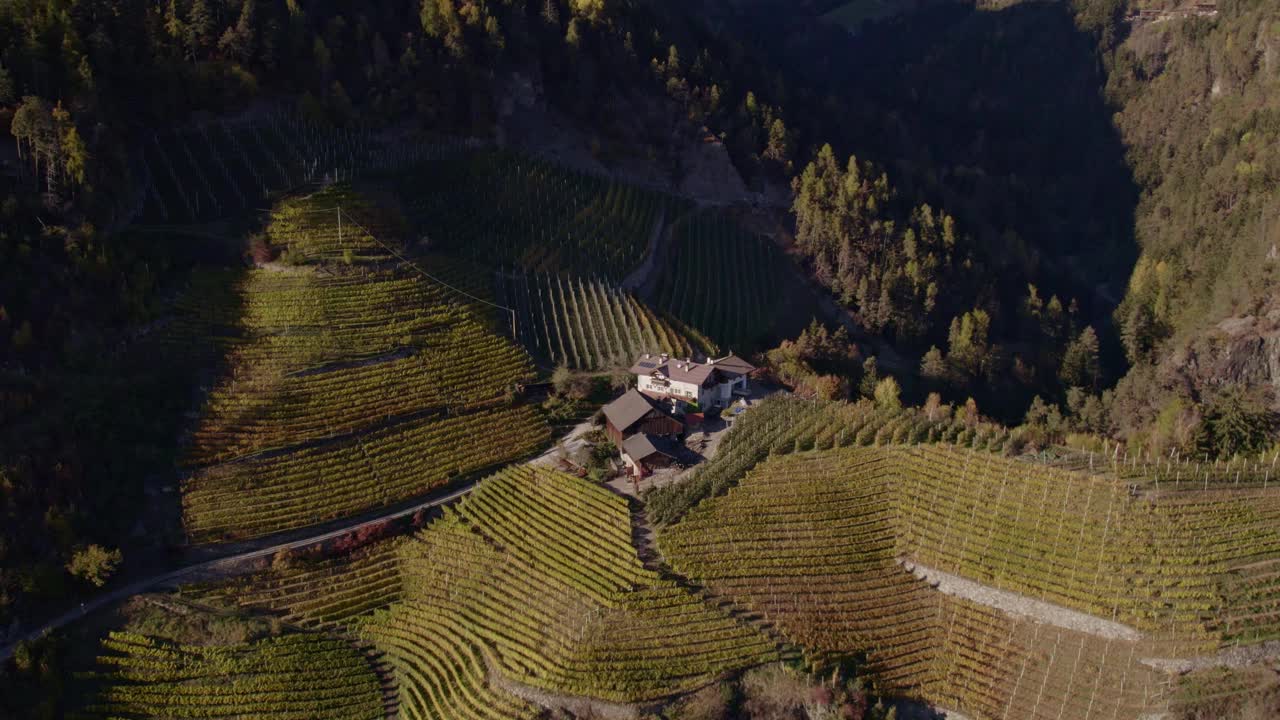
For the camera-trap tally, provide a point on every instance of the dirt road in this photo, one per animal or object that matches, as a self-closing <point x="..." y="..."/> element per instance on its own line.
<point x="222" y="564"/>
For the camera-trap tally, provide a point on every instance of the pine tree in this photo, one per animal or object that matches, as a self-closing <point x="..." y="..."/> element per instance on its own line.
<point x="94" y="564"/>
<point x="200" y="26"/>
<point x="429" y="16"/>
<point x="1236" y="422"/>
<point x="323" y="58"/>
<point x="592" y="10"/>
<point x="870" y="378"/>
<point x="1080" y="366"/>
<point x="778" y="149"/>
<point x="173" y="25"/>
<point x="34" y="129"/>
<point x="888" y="394"/>
<point x="573" y="36"/>
<point x="238" y="41"/>
<point x="76" y="155"/>
<point x="967" y="348"/>
<point x="439" y="18"/>
<point x="8" y="92"/>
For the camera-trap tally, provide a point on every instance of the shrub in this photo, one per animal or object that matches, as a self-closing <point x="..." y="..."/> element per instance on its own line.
<point x="94" y="564"/>
<point x="888" y="394"/>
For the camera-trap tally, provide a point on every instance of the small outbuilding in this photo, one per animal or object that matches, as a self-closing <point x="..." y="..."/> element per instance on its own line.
<point x="644" y="453"/>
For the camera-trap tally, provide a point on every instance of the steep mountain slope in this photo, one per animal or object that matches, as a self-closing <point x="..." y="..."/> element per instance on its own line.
<point x="91" y="96"/>
<point x="1119" y="155"/>
<point x="1200" y="114"/>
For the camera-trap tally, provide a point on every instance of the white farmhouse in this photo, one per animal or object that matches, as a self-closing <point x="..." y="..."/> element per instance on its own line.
<point x="713" y="383"/>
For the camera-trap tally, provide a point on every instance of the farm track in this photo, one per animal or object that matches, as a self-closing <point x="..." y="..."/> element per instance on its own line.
<point x="577" y="705"/>
<point x="240" y="555"/>
<point x="642" y="280"/>
<point x="1018" y="605"/>
<point x="224" y="566"/>
<point x="568" y="445"/>
<point x="1235" y="658"/>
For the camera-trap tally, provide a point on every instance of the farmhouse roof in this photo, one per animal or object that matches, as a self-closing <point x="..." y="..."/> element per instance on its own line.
<point x="643" y="445"/>
<point x="688" y="371"/>
<point x="674" y="368"/>
<point x="733" y="365"/>
<point x="628" y="409"/>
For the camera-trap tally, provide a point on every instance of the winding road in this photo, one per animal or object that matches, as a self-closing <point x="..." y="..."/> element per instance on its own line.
<point x="224" y="565"/>
<point x="221" y="564"/>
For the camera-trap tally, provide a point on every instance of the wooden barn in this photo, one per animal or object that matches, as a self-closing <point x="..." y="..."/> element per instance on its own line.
<point x="643" y="453"/>
<point x="635" y="413"/>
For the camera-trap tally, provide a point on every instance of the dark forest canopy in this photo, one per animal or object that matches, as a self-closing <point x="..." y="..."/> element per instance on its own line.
<point x="1108" y="180"/>
<point x="85" y="83"/>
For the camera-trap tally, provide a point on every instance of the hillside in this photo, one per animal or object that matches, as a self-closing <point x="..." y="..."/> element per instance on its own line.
<point x="1200" y="304"/>
<point x="1105" y="165"/>
<point x="346" y="385"/>
<point x="539" y="591"/>
<point x="582" y="359"/>
<point x="993" y="586"/>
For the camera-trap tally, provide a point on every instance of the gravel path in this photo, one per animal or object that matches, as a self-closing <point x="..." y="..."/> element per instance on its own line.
<point x="640" y="281"/>
<point x="1236" y="658"/>
<point x="1021" y="605"/>
<point x="578" y="705"/>
<point x="567" y="446"/>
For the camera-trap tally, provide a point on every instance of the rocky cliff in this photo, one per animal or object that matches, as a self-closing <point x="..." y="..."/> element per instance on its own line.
<point x="1239" y="351"/>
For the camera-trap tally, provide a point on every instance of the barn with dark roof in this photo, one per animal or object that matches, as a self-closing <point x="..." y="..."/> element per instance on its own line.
<point x="635" y="413"/>
<point x="644" y="452"/>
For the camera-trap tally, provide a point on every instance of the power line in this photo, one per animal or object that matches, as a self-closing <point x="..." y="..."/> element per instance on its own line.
<point x="426" y="274"/>
<point x="402" y="258"/>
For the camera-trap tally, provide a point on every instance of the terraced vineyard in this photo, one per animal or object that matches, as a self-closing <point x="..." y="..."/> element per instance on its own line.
<point x="334" y="224"/>
<point x="1177" y="566"/>
<point x="326" y="594"/>
<point x="470" y="277"/>
<point x="722" y="281"/>
<point x="827" y="523"/>
<point x="997" y="666"/>
<point x="222" y="168"/>
<point x="501" y="208"/>
<point x="1224" y="692"/>
<point x="442" y="674"/>
<point x="1187" y="573"/>
<point x="1174" y="475"/>
<point x="303" y="338"/>
<point x="840" y="551"/>
<point x="344" y="389"/>
<point x="784" y="424"/>
<point x="534" y="577"/>
<point x="291" y="676"/>
<point x="587" y="325"/>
